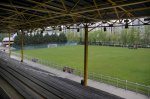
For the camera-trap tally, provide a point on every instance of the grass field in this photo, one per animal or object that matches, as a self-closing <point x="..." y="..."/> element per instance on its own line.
<point x="124" y="63"/>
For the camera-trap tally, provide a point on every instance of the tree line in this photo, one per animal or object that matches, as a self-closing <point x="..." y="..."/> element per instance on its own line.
<point x="38" y="38"/>
<point x="130" y="36"/>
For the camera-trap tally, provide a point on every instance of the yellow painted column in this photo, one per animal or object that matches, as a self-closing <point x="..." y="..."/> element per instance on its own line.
<point x="22" y="43"/>
<point x="85" y="55"/>
<point x="9" y="45"/>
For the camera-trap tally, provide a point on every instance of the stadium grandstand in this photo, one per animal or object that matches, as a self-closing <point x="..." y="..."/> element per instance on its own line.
<point x="26" y="15"/>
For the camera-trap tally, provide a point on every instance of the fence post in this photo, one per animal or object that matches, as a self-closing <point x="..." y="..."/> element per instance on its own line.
<point x="56" y="66"/>
<point x="44" y="63"/>
<point x="92" y="75"/>
<point x="47" y="63"/>
<point x="117" y="81"/>
<point x="108" y="78"/>
<point x="40" y="62"/>
<point x="126" y="84"/>
<point x="148" y="91"/>
<point x="136" y="87"/>
<point x="101" y="77"/>
<point x="80" y="73"/>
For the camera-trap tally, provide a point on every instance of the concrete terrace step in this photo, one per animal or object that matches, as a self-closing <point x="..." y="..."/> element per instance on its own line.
<point x="33" y="83"/>
<point x="105" y="87"/>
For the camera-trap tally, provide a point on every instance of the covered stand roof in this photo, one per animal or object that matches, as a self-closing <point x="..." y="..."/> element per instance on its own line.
<point x="28" y="14"/>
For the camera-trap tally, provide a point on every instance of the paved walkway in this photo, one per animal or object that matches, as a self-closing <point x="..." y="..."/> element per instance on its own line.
<point x="105" y="87"/>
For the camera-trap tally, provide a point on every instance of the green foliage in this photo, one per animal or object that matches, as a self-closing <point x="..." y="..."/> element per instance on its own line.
<point x="130" y="36"/>
<point x="124" y="37"/>
<point x="17" y="40"/>
<point x="2" y="35"/>
<point x="40" y="39"/>
<point x="102" y="36"/>
<point x="73" y="37"/>
<point x="1" y="38"/>
<point x="146" y="38"/>
<point x="62" y="38"/>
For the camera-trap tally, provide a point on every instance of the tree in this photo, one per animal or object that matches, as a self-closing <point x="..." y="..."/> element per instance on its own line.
<point x="137" y="37"/>
<point x="147" y="34"/>
<point x="62" y="38"/>
<point x="38" y="38"/>
<point x="1" y="36"/>
<point x="92" y="36"/>
<point x="17" y="40"/>
<point x="102" y="36"/>
<point x="124" y="37"/>
<point x="73" y="37"/>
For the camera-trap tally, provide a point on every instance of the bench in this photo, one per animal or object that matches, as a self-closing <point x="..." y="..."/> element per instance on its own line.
<point x="34" y="60"/>
<point x="68" y="70"/>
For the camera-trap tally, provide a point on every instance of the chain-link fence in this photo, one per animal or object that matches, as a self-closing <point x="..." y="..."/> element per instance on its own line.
<point x="39" y="46"/>
<point x="125" y="84"/>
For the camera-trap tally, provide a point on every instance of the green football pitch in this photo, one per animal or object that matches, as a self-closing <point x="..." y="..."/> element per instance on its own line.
<point x="123" y="63"/>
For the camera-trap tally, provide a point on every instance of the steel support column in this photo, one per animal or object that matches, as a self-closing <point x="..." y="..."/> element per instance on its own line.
<point x="22" y="43"/>
<point x="85" y="55"/>
<point x="9" y="45"/>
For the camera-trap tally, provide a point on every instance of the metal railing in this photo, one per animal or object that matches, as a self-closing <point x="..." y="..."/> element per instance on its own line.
<point x="124" y="84"/>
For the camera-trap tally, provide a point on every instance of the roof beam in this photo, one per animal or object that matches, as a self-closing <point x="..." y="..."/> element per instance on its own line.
<point x="139" y="9"/>
<point x="110" y="7"/>
<point x="97" y="7"/>
<point x="75" y="5"/>
<point x="18" y="13"/>
<point x="89" y="13"/>
<point x="28" y="8"/>
<point x="46" y="5"/>
<point x="115" y="9"/>
<point x="62" y="1"/>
